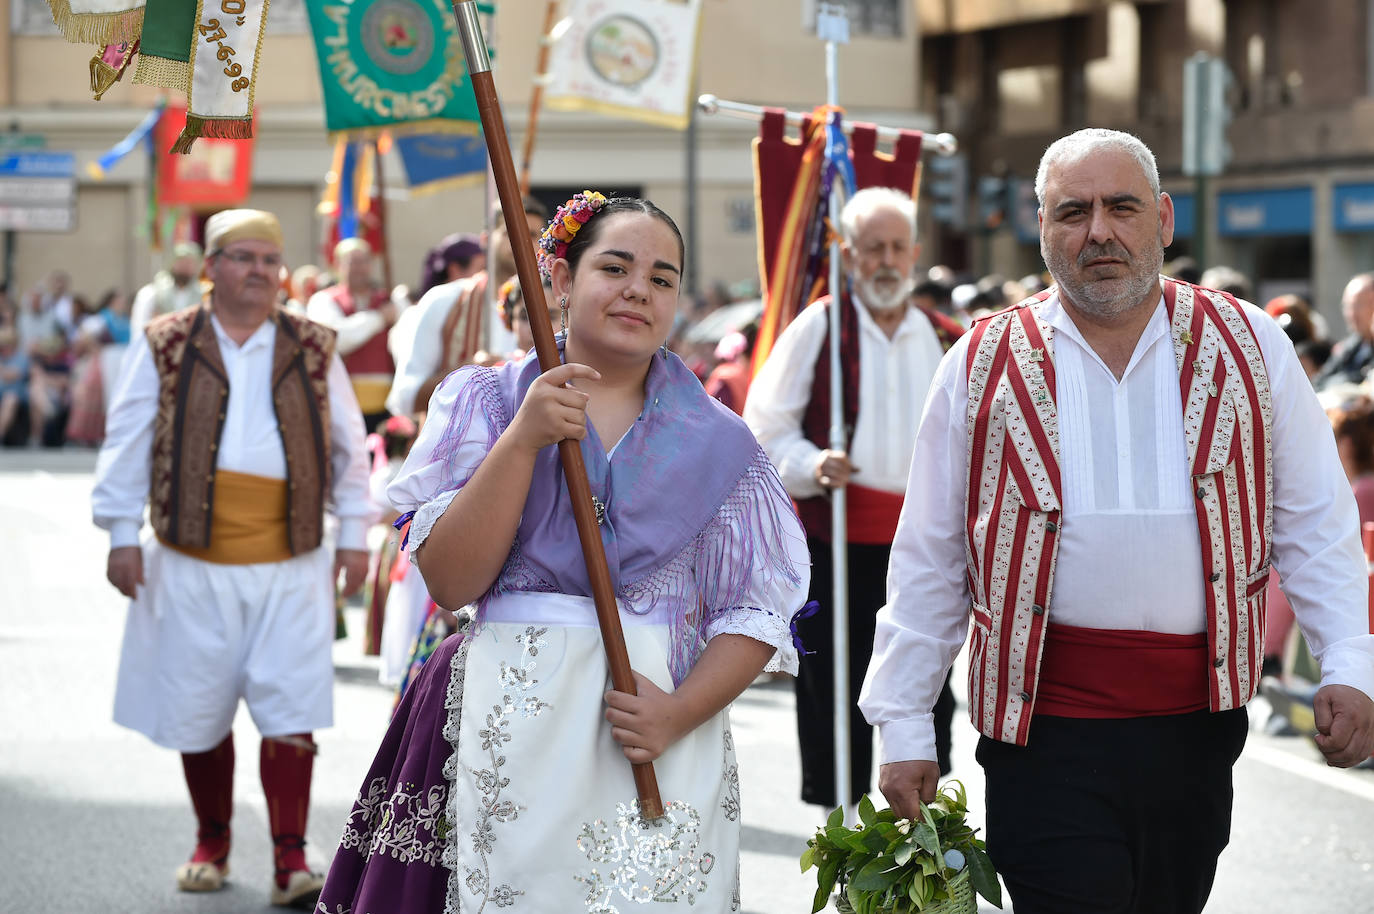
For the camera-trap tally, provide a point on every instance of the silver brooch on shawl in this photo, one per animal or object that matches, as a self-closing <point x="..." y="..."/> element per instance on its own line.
<point x="600" y="507"/>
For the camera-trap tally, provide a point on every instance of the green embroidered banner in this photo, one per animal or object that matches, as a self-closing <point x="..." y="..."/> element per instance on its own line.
<point x="392" y="65"/>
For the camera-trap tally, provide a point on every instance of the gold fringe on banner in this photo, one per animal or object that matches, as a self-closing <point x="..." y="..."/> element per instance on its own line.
<point x="223" y="128"/>
<point x="434" y="125"/>
<point x="97" y="28"/>
<point x="163" y="72"/>
<point x="443" y="184"/>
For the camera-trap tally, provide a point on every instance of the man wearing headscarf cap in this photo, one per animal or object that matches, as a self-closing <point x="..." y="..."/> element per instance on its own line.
<point x="172" y="289"/>
<point x="235" y="420"/>
<point x="457" y="321"/>
<point x="362" y="313"/>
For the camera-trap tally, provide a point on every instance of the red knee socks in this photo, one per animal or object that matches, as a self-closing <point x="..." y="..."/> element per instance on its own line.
<point x="210" y="779"/>
<point x="286" y="764"/>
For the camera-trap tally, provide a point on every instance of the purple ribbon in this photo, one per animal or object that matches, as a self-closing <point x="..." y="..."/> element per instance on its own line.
<point x="806" y="612"/>
<point x="400" y="522"/>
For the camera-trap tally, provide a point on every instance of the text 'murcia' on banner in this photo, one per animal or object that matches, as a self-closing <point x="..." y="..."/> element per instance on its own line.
<point x="392" y="65"/>
<point x="627" y="58"/>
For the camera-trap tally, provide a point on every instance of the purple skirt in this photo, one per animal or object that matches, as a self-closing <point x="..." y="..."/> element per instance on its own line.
<point x="390" y="860"/>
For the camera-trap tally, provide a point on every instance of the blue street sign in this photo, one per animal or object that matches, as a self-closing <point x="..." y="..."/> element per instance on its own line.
<point x="37" y="165"/>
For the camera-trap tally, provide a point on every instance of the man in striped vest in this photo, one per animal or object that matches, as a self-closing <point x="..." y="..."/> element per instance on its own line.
<point x="1102" y="477"/>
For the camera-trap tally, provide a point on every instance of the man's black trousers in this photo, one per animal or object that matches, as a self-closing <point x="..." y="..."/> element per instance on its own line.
<point x="815" y="681"/>
<point x="1112" y="816"/>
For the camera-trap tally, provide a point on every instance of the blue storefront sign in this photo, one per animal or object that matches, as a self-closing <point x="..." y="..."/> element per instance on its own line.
<point x="37" y="165"/>
<point x="1282" y="211"/>
<point x="1185" y="215"/>
<point x="1352" y="207"/>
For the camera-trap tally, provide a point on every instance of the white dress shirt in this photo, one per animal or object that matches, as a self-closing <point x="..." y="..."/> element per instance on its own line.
<point x="1129" y="554"/>
<point x="419" y="346"/>
<point x="145" y="306"/>
<point x="352" y="331"/>
<point x="894" y="375"/>
<point x="249" y="443"/>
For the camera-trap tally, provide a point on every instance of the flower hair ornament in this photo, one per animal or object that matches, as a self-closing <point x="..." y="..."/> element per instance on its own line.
<point x="510" y="291"/>
<point x="566" y="223"/>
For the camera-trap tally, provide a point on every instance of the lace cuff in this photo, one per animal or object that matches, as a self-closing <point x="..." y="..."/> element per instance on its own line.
<point x="426" y="516"/>
<point x="761" y="625"/>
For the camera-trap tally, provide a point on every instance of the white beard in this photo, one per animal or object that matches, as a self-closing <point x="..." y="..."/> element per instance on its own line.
<point x="877" y="301"/>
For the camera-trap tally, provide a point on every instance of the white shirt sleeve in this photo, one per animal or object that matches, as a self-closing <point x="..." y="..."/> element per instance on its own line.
<point x="351" y="330"/>
<point x="123" y="471"/>
<point x="763" y="571"/>
<point x="778" y="398"/>
<point x="1316" y="546"/>
<point x="457" y="435"/>
<point x="921" y="629"/>
<point x="141" y="311"/>
<point x="350" y="464"/>
<point x="421" y="354"/>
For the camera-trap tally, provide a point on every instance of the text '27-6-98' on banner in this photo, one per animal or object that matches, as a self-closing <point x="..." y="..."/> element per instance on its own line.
<point x="392" y="65"/>
<point x="627" y="58"/>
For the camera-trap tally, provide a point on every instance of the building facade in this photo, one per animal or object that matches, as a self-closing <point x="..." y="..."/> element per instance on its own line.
<point x="758" y="52"/>
<point x="1294" y="208"/>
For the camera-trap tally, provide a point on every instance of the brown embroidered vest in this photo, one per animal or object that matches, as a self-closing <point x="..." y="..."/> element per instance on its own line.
<point x="194" y="390"/>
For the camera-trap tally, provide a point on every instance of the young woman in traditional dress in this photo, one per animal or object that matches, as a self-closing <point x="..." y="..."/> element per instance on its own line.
<point x="503" y="780"/>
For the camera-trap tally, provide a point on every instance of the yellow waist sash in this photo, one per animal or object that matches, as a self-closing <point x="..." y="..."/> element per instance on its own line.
<point x="371" y="391"/>
<point x="247" y="523"/>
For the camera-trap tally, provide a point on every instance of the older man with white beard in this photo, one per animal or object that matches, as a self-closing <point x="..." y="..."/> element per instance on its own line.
<point x="889" y="348"/>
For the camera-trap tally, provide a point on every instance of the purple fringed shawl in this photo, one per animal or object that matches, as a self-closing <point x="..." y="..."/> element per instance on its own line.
<point x="683" y="491"/>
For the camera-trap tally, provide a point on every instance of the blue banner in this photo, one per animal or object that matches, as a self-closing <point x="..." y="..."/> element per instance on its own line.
<point x="440" y="161"/>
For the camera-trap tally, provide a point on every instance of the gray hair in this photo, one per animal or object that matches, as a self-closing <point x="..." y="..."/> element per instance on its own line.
<point x="1077" y="146"/>
<point x="863" y="204"/>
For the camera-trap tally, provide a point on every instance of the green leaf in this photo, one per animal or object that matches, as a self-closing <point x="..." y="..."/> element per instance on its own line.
<point x="877" y="875"/>
<point x="983" y="876"/>
<point x="866" y="811"/>
<point x="836" y="817"/>
<point x="808" y="858"/>
<point x="874" y="841"/>
<point x="904" y="853"/>
<point x="924" y="834"/>
<point x="825" y="883"/>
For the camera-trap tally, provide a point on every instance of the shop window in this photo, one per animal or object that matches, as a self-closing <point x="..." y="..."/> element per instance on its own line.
<point x="867" y="18"/>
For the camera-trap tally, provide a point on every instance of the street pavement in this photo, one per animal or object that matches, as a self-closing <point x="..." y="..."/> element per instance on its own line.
<point x="94" y="818"/>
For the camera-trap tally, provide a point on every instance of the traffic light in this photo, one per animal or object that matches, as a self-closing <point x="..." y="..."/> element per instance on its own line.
<point x="993" y="192"/>
<point x="946" y="186"/>
<point x="1206" y="114"/>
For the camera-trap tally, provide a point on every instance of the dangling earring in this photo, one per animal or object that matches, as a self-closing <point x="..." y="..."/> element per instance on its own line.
<point x="563" y="314"/>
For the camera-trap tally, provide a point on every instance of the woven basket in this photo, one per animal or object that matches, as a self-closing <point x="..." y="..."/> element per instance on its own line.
<point x="962" y="899"/>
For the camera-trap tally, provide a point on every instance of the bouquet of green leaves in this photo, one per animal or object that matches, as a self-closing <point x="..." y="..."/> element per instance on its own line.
<point x="899" y="866"/>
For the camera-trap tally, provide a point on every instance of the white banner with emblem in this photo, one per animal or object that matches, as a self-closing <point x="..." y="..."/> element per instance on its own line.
<point x="627" y="58"/>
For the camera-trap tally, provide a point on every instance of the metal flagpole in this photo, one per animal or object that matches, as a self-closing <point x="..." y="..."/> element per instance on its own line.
<point x="945" y="144"/>
<point x="839" y="535"/>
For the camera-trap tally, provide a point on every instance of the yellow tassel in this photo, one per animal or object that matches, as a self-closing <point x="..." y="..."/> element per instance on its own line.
<point x="97" y="28"/>
<point x="103" y="76"/>
<point x="224" y="128"/>
<point x="162" y="72"/>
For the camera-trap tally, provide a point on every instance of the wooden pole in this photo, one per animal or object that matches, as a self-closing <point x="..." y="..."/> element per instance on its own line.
<point x="574" y="470"/>
<point x="382" y="221"/>
<point x="537" y="94"/>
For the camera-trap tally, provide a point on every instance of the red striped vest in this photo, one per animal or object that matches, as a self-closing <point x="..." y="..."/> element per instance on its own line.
<point x="1014" y="496"/>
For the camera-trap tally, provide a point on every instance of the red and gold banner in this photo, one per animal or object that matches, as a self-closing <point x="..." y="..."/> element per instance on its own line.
<point x="215" y="173"/>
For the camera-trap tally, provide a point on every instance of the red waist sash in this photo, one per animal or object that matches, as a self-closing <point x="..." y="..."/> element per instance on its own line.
<point x="872" y="514"/>
<point x="1101" y="673"/>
